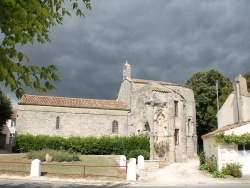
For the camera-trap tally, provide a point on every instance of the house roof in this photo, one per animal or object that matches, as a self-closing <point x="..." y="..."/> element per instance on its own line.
<point x="225" y="128"/>
<point x="141" y="81"/>
<point x="71" y="102"/>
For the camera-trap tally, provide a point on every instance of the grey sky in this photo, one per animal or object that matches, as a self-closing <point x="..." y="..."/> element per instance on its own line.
<point x="162" y="40"/>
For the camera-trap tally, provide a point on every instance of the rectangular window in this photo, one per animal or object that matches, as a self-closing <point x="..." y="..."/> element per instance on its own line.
<point x="247" y="147"/>
<point x="176" y="136"/>
<point x="175" y="108"/>
<point x="12" y="139"/>
<point x="242" y="147"/>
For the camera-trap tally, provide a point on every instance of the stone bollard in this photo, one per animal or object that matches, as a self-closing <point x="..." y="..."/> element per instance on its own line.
<point x="35" y="168"/>
<point x="131" y="171"/>
<point x="122" y="161"/>
<point x="140" y="160"/>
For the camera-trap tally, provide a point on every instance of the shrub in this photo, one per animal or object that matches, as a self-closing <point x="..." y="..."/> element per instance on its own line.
<point x="217" y="174"/>
<point x="233" y="169"/>
<point x="58" y="156"/>
<point x="203" y="167"/>
<point x="136" y="153"/>
<point x="212" y="164"/>
<point x="202" y="158"/>
<point x="90" y="145"/>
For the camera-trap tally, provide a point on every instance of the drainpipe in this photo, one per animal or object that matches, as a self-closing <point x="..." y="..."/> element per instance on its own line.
<point x="237" y="85"/>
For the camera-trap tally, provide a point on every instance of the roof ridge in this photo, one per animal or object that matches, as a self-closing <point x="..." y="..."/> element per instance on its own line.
<point x="69" y="97"/>
<point x="225" y="128"/>
<point x="72" y="102"/>
<point x="159" y="82"/>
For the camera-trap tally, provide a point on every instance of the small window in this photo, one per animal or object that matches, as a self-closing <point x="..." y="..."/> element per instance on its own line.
<point x="188" y="125"/>
<point x="115" y="126"/>
<point x="247" y="147"/>
<point x="176" y="136"/>
<point x="240" y="147"/>
<point x="175" y="108"/>
<point x="57" y="123"/>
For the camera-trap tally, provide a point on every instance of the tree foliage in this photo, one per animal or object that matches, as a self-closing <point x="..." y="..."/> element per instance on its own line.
<point x="204" y="87"/>
<point x="29" y="21"/>
<point x="5" y="110"/>
<point x="247" y="76"/>
<point x="232" y="138"/>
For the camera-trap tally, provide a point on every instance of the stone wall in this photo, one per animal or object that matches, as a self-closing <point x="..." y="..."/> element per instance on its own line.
<point x="73" y="121"/>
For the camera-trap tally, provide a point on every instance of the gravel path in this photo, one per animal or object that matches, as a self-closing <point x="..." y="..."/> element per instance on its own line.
<point x="183" y="174"/>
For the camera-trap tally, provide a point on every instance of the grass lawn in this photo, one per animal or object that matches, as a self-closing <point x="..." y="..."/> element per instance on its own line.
<point x="65" y="171"/>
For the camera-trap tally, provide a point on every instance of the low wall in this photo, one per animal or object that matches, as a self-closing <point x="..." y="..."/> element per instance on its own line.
<point x="151" y="165"/>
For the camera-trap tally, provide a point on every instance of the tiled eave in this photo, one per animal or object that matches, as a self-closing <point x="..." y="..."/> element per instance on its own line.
<point x="72" y="102"/>
<point x="225" y="128"/>
<point x="160" y="90"/>
<point x="141" y="81"/>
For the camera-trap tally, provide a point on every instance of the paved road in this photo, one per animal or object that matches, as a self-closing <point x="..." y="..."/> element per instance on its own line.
<point x="33" y="184"/>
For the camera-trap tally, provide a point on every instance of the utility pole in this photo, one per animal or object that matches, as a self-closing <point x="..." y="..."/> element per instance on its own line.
<point x="217" y="88"/>
<point x="217" y="100"/>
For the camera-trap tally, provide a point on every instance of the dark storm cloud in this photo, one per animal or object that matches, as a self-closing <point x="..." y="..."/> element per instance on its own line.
<point x="162" y="40"/>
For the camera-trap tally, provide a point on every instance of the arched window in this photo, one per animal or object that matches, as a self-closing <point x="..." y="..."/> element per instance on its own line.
<point x="189" y="127"/>
<point x="57" y="123"/>
<point x="115" y="126"/>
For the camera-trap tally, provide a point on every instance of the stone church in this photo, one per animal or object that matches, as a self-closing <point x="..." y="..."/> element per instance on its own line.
<point x="163" y="111"/>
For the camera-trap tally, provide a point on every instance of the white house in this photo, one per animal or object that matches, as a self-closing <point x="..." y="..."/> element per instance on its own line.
<point x="9" y="131"/>
<point x="233" y="117"/>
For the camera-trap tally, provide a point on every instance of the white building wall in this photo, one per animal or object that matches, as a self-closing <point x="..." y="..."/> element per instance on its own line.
<point x="245" y="108"/>
<point x="239" y="130"/>
<point x="228" y="113"/>
<point x="227" y="153"/>
<point x="210" y="148"/>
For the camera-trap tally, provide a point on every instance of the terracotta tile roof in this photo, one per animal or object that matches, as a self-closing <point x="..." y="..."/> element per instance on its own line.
<point x="141" y="81"/>
<point x="161" y="90"/>
<point x="71" y="102"/>
<point x="225" y="128"/>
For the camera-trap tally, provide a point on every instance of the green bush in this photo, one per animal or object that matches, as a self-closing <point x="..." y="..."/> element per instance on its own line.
<point x="217" y="174"/>
<point x="203" y="167"/>
<point x="90" y="145"/>
<point x="212" y="164"/>
<point x="202" y="158"/>
<point x="136" y="153"/>
<point x="233" y="169"/>
<point x="58" y="156"/>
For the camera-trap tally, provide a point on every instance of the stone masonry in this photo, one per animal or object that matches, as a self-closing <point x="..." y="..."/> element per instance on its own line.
<point x="163" y="111"/>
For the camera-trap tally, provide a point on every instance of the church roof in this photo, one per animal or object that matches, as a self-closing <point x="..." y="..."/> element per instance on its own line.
<point x="142" y="81"/>
<point x="225" y="128"/>
<point x="71" y="102"/>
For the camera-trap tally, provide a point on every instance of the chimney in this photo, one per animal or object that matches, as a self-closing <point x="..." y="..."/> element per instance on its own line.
<point x="240" y="87"/>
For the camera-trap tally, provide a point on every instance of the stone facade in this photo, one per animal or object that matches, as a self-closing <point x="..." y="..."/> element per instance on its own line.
<point x="163" y="111"/>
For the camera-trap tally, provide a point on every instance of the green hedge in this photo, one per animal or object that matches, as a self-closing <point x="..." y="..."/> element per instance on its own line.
<point x="90" y="145"/>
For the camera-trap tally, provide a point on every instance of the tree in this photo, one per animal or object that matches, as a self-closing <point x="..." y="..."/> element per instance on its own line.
<point x="5" y="110"/>
<point x="28" y="21"/>
<point x="247" y="76"/>
<point x="204" y="87"/>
